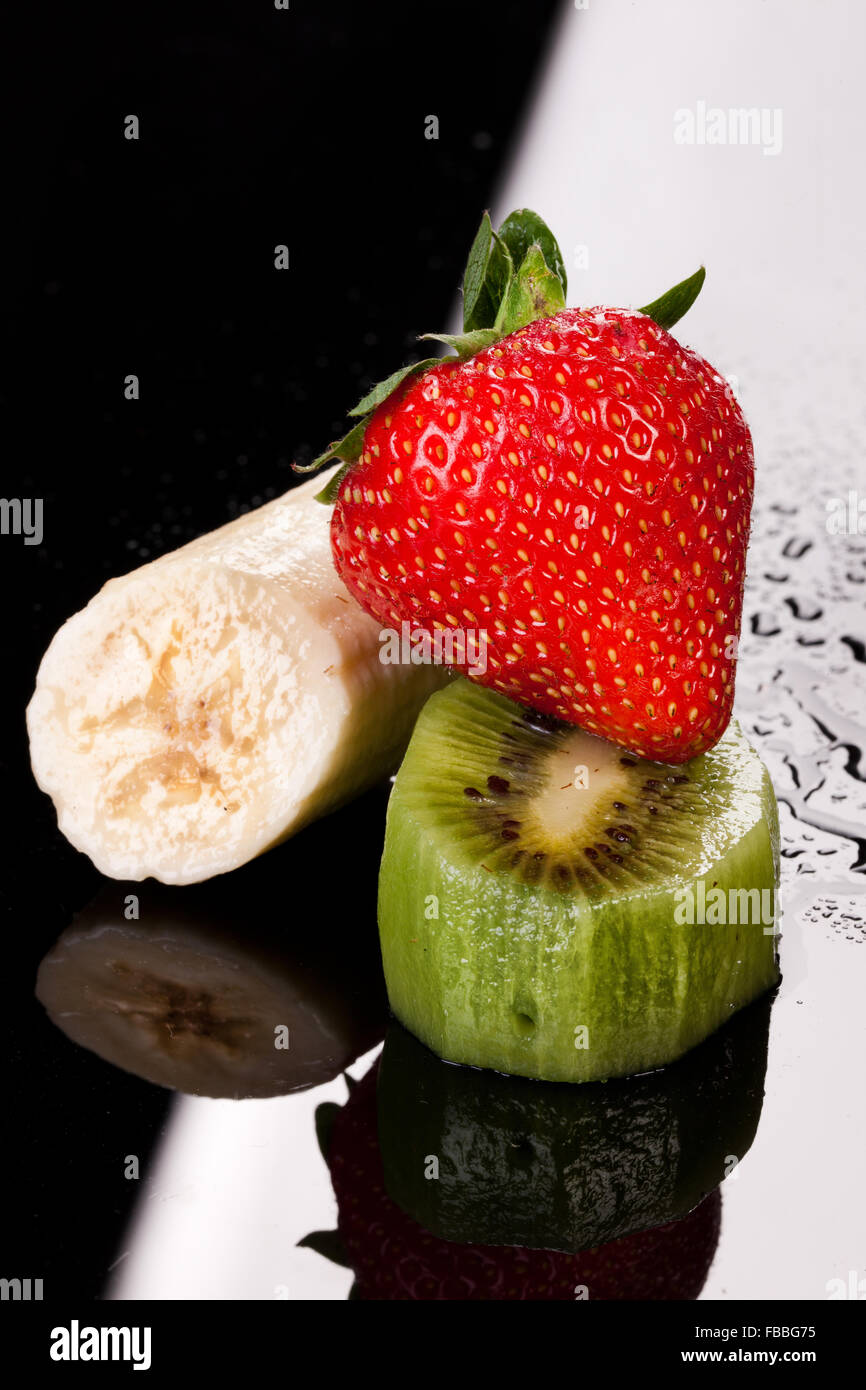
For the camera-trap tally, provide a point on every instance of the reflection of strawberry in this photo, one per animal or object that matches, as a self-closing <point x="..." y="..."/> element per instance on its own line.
<point x="395" y="1258"/>
<point x="578" y="489"/>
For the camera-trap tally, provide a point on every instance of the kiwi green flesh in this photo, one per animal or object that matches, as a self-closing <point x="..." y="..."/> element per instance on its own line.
<point x="528" y="895"/>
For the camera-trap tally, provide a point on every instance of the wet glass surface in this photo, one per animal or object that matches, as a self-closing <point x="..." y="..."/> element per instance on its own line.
<point x="237" y="1200"/>
<point x="234" y="1198"/>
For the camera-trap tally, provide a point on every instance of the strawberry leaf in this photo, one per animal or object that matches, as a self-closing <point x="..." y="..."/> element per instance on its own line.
<point x="523" y="229"/>
<point x="669" y="308"/>
<point x="476" y="265"/>
<point x="331" y="491"/>
<point x="489" y="271"/>
<point x="348" y="449"/>
<point x="534" y="293"/>
<point x="497" y="300"/>
<point x="464" y="344"/>
<point x="383" y="389"/>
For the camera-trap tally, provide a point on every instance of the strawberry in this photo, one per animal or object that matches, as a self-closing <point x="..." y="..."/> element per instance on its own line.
<point x="395" y="1258"/>
<point x="578" y="489"/>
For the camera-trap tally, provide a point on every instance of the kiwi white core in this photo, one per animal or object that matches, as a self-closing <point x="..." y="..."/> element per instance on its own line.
<point x="583" y="771"/>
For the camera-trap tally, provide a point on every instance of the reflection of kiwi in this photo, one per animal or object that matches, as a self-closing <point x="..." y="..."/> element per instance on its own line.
<point x="533" y="885"/>
<point x="393" y="1257"/>
<point x="204" y="990"/>
<point x="562" y="1167"/>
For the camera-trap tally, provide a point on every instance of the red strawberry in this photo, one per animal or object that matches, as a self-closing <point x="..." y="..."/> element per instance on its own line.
<point x="395" y="1258"/>
<point x="580" y="490"/>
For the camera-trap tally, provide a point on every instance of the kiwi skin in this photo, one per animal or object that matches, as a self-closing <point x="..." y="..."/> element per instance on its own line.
<point x="490" y="969"/>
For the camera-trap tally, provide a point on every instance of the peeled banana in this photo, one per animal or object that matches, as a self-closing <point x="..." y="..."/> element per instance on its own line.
<point x="208" y="705"/>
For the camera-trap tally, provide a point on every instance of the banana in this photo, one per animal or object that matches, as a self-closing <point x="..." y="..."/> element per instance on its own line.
<point x="211" y="703"/>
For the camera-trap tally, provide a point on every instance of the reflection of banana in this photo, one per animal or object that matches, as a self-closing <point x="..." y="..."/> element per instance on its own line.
<point x="204" y="707"/>
<point x="192" y="1006"/>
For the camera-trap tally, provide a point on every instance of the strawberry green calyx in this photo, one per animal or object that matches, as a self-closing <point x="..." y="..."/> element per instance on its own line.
<point x="465" y="344"/>
<point x="535" y="292"/>
<point x="330" y="491"/>
<point x="524" y="229"/>
<point x="383" y="389"/>
<point x="513" y="277"/>
<point x="348" y="449"/>
<point x="489" y="271"/>
<point x="669" y="308"/>
<point x="350" y="446"/>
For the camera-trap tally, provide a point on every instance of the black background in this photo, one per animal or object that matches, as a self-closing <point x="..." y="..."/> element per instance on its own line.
<point x="156" y="257"/>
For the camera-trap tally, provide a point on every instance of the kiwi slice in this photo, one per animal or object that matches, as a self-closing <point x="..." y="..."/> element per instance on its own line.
<point x="537" y="886"/>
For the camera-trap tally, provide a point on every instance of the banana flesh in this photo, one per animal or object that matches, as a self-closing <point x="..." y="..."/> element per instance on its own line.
<point x="208" y="705"/>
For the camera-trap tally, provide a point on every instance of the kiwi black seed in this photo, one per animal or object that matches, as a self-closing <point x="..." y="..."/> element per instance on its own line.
<point x="573" y="837"/>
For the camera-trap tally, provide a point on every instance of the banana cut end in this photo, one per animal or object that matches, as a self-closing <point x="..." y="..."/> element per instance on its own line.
<point x="172" y="725"/>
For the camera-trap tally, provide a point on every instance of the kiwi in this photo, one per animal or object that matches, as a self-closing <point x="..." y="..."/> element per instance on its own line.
<point x="537" y="883"/>
<point x="560" y="1167"/>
